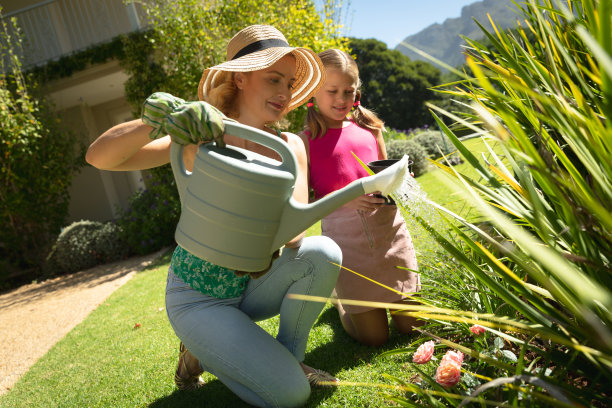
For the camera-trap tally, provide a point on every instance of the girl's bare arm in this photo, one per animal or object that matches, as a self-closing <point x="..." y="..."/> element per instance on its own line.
<point x="380" y="141"/>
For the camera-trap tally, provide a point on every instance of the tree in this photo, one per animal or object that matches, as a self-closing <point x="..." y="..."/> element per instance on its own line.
<point x="395" y="87"/>
<point x="190" y="35"/>
<point x="38" y="162"/>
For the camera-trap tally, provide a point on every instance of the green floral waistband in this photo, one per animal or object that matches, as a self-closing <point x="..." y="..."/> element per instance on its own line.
<point x="208" y="278"/>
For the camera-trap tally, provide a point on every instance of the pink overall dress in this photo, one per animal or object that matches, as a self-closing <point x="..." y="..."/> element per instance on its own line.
<point x="373" y="243"/>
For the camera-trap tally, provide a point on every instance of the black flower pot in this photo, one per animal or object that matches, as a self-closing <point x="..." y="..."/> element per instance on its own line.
<point x="379" y="165"/>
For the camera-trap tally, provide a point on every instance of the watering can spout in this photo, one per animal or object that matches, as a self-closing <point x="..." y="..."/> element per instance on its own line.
<point x="297" y="217"/>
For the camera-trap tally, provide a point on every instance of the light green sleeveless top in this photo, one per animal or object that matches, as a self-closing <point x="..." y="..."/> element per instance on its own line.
<point x="208" y="278"/>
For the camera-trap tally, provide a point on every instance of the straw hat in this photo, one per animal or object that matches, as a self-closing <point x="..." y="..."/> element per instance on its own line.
<point x="258" y="47"/>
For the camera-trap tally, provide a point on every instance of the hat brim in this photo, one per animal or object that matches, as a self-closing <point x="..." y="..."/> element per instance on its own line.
<point x="309" y="73"/>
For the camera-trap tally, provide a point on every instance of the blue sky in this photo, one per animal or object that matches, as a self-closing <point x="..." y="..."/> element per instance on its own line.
<point x="390" y="21"/>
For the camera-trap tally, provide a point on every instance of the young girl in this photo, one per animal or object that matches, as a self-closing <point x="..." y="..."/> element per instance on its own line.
<point x="213" y="309"/>
<point x="373" y="236"/>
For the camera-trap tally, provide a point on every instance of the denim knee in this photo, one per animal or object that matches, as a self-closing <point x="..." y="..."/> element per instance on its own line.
<point x="294" y="395"/>
<point x="323" y="252"/>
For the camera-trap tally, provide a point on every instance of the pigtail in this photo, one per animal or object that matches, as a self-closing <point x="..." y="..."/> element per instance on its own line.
<point x="365" y="118"/>
<point x="315" y="123"/>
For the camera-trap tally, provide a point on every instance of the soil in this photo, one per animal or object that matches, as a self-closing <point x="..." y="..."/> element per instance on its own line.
<point x="35" y="316"/>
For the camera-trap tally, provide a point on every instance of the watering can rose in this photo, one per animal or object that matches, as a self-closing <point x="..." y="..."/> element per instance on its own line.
<point x="423" y="354"/>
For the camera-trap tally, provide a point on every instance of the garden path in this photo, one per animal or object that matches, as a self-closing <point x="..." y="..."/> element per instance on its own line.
<point x="34" y="317"/>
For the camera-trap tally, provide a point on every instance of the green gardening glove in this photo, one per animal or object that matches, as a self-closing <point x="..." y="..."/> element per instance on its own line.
<point x="195" y="122"/>
<point x="185" y="122"/>
<point x="155" y="112"/>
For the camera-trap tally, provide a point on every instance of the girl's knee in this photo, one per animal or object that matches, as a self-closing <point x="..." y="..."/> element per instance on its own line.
<point x="373" y="339"/>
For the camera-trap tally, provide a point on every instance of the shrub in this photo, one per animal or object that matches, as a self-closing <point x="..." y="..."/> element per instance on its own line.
<point x="394" y="134"/>
<point x="398" y="148"/>
<point x="150" y="220"/>
<point x="38" y="162"/>
<point x="84" y="244"/>
<point x="437" y="145"/>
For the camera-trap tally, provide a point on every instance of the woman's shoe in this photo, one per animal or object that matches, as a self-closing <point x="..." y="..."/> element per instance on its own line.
<point x="183" y="377"/>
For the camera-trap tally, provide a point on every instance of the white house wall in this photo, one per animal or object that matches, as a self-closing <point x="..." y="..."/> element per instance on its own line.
<point x="89" y="101"/>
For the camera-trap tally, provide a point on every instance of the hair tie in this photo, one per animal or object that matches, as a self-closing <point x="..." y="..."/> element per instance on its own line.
<point x="310" y="104"/>
<point x="356" y="104"/>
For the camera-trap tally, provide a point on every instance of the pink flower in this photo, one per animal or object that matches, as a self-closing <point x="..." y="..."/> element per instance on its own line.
<point x="477" y="330"/>
<point x="423" y="353"/>
<point x="453" y="355"/>
<point x="448" y="372"/>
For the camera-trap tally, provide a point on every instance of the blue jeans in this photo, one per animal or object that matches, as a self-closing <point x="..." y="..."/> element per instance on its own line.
<point x="223" y="335"/>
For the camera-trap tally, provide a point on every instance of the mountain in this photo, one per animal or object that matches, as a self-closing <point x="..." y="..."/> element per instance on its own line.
<point x="443" y="41"/>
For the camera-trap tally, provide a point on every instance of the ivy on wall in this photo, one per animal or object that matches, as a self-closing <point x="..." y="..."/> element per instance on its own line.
<point x="134" y="53"/>
<point x="67" y="65"/>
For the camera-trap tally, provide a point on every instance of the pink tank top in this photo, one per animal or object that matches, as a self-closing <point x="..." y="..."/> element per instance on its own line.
<point x="332" y="166"/>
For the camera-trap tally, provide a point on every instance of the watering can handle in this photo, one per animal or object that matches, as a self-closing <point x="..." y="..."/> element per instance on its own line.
<point x="265" y="139"/>
<point x="178" y="168"/>
<point x="277" y="144"/>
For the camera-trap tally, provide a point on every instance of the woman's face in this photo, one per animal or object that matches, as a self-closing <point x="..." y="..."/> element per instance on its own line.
<point x="265" y="95"/>
<point x="336" y="97"/>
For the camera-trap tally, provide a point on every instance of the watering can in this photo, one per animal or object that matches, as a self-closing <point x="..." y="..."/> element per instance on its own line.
<point x="237" y="205"/>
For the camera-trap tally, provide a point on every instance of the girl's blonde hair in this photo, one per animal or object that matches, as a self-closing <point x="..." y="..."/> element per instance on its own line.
<point x="365" y="118"/>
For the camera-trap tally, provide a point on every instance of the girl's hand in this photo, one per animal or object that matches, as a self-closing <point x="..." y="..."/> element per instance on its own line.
<point x="368" y="202"/>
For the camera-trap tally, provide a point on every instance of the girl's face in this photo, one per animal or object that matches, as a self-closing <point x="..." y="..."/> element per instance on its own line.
<point x="264" y="95"/>
<point x="336" y="97"/>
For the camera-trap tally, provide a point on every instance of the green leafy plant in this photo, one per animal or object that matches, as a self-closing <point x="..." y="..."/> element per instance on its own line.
<point x="38" y="161"/>
<point x="538" y="276"/>
<point x="397" y="148"/>
<point x="149" y="222"/>
<point x="394" y="134"/>
<point x="84" y="244"/>
<point x="437" y="145"/>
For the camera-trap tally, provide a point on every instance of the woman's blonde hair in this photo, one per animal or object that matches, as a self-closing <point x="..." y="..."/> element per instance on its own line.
<point x="224" y="96"/>
<point x="365" y="118"/>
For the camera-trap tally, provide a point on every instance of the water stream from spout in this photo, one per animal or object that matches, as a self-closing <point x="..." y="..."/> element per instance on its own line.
<point x="413" y="202"/>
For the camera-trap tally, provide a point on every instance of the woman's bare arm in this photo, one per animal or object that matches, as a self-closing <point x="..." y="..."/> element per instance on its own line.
<point x="127" y="146"/>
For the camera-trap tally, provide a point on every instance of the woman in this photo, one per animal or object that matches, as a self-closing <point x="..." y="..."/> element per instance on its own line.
<point x="213" y="309"/>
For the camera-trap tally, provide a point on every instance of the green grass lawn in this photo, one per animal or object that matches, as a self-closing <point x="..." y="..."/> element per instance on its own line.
<point x="108" y="362"/>
<point x="124" y="353"/>
<point x="435" y="183"/>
